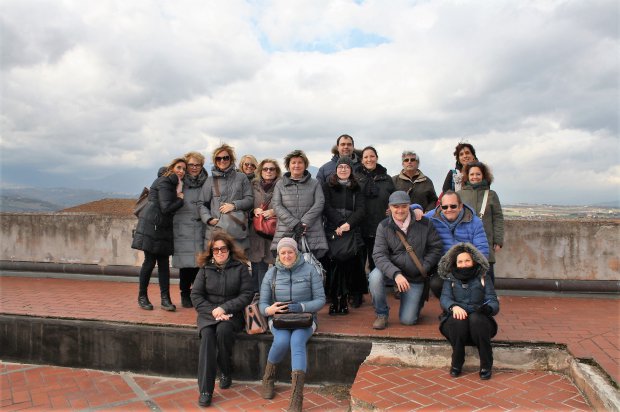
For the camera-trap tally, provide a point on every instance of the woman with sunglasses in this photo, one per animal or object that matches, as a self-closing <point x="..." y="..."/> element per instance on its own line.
<point x="222" y="290"/>
<point x="188" y="228"/>
<point x="226" y="198"/>
<point x="248" y="165"/>
<point x="476" y="179"/>
<point x="263" y="185"/>
<point x="416" y="184"/>
<point x="153" y="234"/>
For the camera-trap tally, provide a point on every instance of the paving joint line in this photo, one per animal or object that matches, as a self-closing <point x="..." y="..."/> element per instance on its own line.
<point x="28" y="368"/>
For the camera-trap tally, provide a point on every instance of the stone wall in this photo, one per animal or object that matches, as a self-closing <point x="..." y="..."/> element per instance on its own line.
<point x="534" y="249"/>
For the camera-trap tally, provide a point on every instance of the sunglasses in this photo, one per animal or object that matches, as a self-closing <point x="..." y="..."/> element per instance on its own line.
<point x="269" y="169"/>
<point x="410" y="159"/>
<point x="445" y="207"/>
<point x="250" y="165"/>
<point x="194" y="165"/>
<point x="222" y="158"/>
<point x="216" y="250"/>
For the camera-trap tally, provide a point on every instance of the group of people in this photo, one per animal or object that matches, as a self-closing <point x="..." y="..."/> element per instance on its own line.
<point x="352" y="216"/>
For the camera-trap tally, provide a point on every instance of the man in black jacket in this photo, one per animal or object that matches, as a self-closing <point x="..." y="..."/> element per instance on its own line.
<point x="393" y="260"/>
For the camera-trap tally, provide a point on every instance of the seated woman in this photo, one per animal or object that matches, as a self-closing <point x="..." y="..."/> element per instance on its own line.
<point x="469" y="302"/>
<point x="292" y="285"/>
<point x="222" y="289"/>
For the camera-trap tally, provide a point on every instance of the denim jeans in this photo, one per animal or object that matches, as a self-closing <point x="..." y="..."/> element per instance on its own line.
<point x="296" y="339"/>
<point x="409" y="301"/>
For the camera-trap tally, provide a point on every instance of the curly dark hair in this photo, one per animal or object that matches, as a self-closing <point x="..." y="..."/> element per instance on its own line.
<point x="486" y="171"/>
<point x="458" y="149"/>
<point x="236" y="252"/>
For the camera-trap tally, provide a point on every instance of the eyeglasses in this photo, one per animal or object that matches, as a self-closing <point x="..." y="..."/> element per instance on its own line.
<point x="410" y="159"/>
<point x="216" y="250"/>
<point x="269" y="169"/>
<point x="342" y="167"/>
<point x="194" y="165"/>
<point x="252" y="165"/>
<point x="445" y="207"/>
<point x="222" y="158"/>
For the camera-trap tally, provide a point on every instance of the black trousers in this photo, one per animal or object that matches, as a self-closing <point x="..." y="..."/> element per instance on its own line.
<point x="348" y="277"/>
<point x="163" y="269"/>
<point x="186" y="279"/>
<point x="476" y="329"/>
<point x="216" y="345"/>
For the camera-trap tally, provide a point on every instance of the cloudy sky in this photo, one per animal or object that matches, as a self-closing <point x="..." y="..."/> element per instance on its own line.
<point x="100" y="93"/>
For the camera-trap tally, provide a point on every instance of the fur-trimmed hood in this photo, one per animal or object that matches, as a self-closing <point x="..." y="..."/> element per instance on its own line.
<point x="357" y="154"/>
<point x="447" y="262"/>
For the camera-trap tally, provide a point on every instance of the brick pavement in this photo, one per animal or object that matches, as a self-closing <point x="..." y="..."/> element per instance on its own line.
<point x="587" y="325"/>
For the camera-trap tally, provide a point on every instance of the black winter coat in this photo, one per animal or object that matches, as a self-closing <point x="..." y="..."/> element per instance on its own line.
<point x="377" y="187"/>
<point x="342" y="205"/>
<point x="230" y="288"/>
<point x="154" y="231"/>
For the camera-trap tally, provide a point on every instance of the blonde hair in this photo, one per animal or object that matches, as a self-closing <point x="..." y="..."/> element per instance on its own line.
<point x="224" y="147"/>
<point x="242" y="161"/>
<point x="195" y="155"/>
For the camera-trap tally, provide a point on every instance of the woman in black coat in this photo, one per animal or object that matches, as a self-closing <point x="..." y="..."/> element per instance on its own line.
<point x="377" y="187"/>
<point x="344" y="213"/>
<point x="222" y="289"/>
<point x="153" y="234"/>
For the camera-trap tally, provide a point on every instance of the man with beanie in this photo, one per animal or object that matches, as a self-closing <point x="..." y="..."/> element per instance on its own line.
<point x="344" y="147"/>
<point x="415" y="183"/>
<point x="393" y="260"/>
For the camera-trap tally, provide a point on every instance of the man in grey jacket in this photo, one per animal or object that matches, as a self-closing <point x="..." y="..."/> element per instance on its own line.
<point x="393" y="260"/>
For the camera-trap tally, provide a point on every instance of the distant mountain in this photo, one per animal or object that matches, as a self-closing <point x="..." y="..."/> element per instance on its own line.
<point x="29" y="199"/>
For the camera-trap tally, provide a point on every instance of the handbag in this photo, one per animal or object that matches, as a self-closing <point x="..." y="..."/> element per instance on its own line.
<point x="265" y="226"/>
<point x="294" y="320"/>
<point x="310" y="258"/>
<point x="143" y="199"/>
<point x="255" y="322"/>
<point x="343" y="247"/>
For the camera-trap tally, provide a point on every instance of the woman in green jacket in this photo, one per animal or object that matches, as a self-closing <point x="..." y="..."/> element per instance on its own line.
<point x="477" y="179"/>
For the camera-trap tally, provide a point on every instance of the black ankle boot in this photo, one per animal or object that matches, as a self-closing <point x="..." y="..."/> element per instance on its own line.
<point x="344" y="305"/>
<point x="186" y="302"/>
<point x="166" y="303"/>
<point x="143" y="302"/>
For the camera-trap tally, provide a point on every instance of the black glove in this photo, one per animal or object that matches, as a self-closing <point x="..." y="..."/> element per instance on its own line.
<point x="485" y="309"/>
<point x="299" y="229"/>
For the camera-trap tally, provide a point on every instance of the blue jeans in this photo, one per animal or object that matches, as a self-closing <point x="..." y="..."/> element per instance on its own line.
<point x="296" y="339"/>
<point x="409" y="301"/>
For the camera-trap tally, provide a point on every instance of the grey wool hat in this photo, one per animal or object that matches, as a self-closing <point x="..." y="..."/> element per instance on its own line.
<point x="344" y="160"/>
<point x="287" y="242"/>
<point x="398" y="198"/>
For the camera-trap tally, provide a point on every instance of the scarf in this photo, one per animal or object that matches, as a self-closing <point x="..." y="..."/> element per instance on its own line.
<point x="345" y="183"/>
<point x="193" y="182"/>
<point x="454" y="224"/>
<point x="265" y="185"/>
<point x="465" y="274"/>
<point x="371" y="189"/>
<point x="476" y="186"/>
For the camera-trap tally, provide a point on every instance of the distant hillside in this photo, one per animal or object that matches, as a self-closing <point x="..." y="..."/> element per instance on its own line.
<point x="30" y="199"/>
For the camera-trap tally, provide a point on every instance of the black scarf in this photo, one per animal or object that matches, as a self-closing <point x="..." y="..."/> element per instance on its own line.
<point x="370" y="189"/>
<point x="465" y="274"/>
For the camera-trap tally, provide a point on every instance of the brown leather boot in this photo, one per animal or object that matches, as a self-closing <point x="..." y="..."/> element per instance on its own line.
<point x="268" y="391"/>
<point x="297" y="397"/>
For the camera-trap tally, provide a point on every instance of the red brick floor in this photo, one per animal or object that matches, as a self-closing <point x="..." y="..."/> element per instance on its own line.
<point x="35" y="387"/>
<point x="589" y="326"/>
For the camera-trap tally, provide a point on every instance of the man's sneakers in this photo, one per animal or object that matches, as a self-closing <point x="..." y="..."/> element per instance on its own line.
<point x="381" y="322"/>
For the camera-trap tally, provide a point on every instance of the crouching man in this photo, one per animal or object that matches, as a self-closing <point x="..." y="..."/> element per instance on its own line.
<point x="393" y="260"/>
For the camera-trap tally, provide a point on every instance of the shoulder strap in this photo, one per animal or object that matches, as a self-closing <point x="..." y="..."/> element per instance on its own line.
<point x="411" y="252"/>
<point x="484" y="203"/>
<point x="216" y="187"/>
